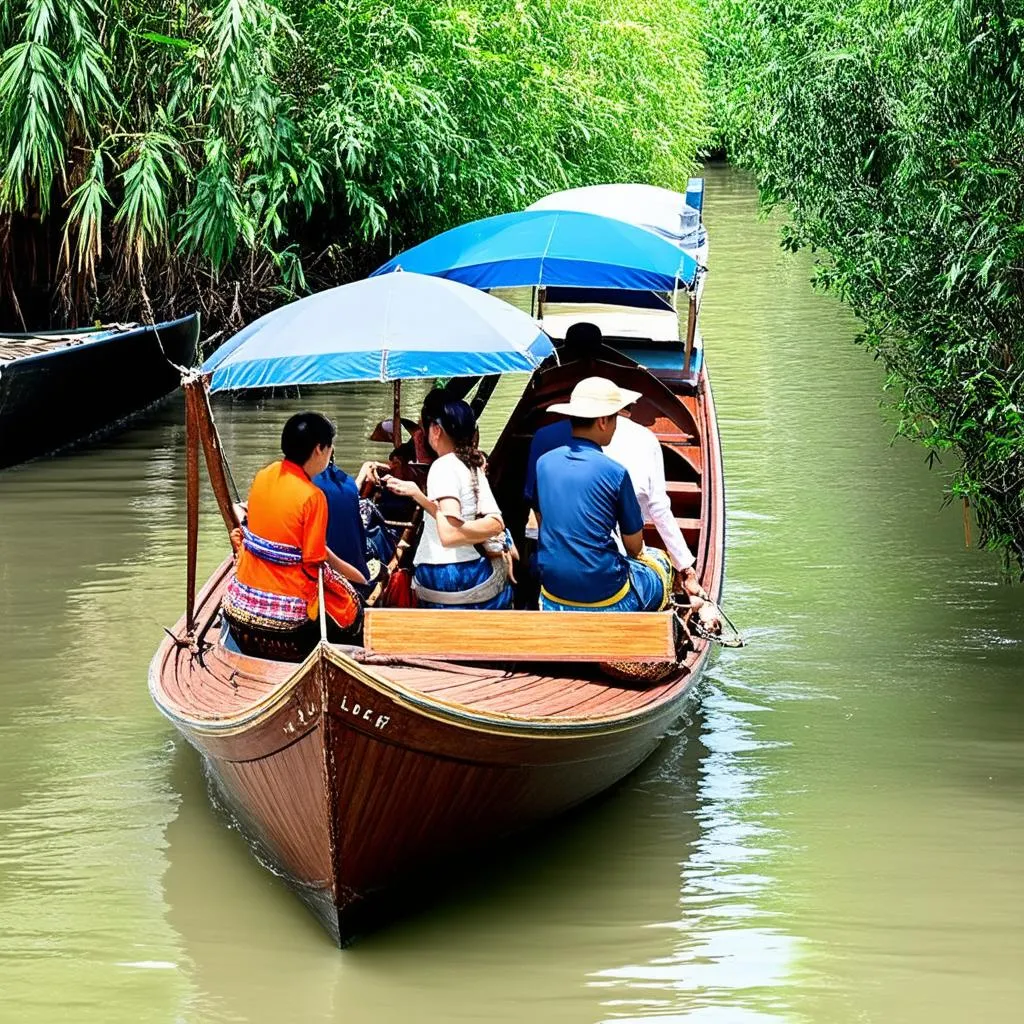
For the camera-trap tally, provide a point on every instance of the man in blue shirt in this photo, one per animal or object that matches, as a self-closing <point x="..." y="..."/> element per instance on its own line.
<point x="582" y="495"/>
<point x="549" y="437"/>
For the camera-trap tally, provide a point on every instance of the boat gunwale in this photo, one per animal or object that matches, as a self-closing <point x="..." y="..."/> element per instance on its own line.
<point x="450" y="712"/>
<point x="107" y="334"/>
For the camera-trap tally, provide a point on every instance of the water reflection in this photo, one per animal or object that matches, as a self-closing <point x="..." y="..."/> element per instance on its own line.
<point x="728" y="957"/>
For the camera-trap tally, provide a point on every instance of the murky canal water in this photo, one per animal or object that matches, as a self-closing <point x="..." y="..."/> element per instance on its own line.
<point x="835" y="835"/>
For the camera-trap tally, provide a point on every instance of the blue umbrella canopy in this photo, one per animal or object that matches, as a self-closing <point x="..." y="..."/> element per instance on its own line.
<point x="647" y="206"/>
<point x="541" y="248"/>
<point x="397" y="327"/>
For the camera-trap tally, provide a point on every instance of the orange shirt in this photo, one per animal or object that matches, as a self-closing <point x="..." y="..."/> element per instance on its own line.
<point x="286" y="507"/>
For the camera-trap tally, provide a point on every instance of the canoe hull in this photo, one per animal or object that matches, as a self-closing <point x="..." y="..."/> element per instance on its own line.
<point x="347" y="790"/>
<point x="54" y="399"/>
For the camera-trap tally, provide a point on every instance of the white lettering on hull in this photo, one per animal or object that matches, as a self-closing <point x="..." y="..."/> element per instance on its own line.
<point x="366" y="714"/>
<point x="303" y="715"/>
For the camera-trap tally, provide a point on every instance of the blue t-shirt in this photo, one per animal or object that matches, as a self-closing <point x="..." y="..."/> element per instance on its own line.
<point x="345" y="534"/>
<point x="554" y="435"/>
<point x="583" y="495"/>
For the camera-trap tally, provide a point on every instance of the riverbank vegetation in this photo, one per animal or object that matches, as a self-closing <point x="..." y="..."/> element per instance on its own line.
<point x="157" y="157"/>
<point x="894" y="134"/>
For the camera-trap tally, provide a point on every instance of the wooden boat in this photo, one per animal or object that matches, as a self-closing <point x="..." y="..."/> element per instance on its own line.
<point x="59" y="387"/>
<point x="364" y="767"/>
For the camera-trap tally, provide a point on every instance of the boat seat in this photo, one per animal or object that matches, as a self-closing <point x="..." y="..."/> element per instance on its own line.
<point x="520" y="636"/>
<point x="690" y="529"/>
<point x="684" y="496"/>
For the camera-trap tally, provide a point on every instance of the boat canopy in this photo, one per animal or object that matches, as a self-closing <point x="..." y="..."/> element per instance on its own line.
<point x="660" y="210"/>
<point x="541" y="248"/>
<point x="395" y="327"/>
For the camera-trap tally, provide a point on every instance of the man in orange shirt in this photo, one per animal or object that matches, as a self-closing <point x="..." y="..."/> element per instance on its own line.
<point x="283" y="543"/>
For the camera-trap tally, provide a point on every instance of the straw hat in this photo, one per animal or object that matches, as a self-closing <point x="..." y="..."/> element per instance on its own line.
<point x="595" y="396"/>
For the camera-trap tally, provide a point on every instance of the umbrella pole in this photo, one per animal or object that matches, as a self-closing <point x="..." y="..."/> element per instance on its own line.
<point x="396" y="422"/>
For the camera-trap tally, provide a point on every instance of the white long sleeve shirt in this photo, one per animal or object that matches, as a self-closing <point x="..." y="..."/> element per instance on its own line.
<point x="636" y="448"/>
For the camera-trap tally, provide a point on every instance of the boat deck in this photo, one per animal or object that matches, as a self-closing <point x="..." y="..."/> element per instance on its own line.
<point x="18" y="346"/>
<point x="225" y="684"/>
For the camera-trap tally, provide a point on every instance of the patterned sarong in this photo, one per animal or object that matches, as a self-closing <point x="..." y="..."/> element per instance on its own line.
<point x="261" y="608"/>
<point x="267" y="610"/>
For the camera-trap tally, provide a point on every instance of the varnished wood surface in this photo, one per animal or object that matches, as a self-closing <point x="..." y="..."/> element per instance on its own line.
<point x="467" y="635"/>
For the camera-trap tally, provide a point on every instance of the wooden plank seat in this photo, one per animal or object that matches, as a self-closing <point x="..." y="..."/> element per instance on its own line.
<point x="684" y="496"/>
<point x="467" y="635"/>
<point x="689" y="527"/>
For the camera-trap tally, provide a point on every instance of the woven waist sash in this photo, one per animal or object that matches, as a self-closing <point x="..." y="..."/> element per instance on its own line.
<point x="270" y="550"/>
<point x="486" y="591"/>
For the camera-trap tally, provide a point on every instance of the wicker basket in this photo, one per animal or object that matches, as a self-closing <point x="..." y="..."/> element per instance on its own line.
<point x="638" y="671"/>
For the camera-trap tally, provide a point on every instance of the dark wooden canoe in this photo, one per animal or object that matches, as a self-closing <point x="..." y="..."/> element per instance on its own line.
<point x="57" y="388"/>
<point x="363" y="767"/>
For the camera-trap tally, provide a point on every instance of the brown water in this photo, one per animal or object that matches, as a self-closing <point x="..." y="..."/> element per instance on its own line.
<point x="835" y="835"/>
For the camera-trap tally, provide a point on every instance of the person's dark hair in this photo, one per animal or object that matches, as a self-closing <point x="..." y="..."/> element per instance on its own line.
<point x="456" y="419"/>
<point x="303" y="433"/>
<point x="433" y="403"/>
<point x="582" y="339"/>
<point x="582" y="422"/>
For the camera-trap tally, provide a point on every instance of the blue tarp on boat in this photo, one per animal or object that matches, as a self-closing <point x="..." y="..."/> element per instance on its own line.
<point x="539" y="248"/>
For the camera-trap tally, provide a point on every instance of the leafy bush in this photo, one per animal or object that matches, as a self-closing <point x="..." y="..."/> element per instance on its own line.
<point x="234" y="152"/>
<point x="895" y="133"/>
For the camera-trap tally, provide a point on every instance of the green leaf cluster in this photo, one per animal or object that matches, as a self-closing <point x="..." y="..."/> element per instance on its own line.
<point x="236" y="151"/>
<point x="894" y="133"/>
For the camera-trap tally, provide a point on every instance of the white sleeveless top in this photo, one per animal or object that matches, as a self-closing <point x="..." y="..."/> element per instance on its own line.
<point x="451" y="478"/>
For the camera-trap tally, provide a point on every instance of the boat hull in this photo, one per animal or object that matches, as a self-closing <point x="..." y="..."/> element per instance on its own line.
<point x="347" y="789"/>
<point x="55" y="398"/>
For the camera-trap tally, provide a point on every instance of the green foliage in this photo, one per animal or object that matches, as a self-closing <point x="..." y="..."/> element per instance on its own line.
<point x="895" y="133"/>
<point x="234" y="151"/>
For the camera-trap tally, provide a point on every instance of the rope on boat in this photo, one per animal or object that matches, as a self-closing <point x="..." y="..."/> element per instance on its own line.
<point x="693" y="626"/>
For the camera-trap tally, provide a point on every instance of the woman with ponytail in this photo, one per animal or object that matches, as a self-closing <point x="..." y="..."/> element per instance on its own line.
<point x="462" y="560"/>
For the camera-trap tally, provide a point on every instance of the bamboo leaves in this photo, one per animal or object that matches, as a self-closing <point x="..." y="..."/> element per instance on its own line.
<point x="147" y="182"/>
<point x="903" y="162"/>
<point x="244" y="142"/>
<point x="31" y="129"/>
<point x="83" y="228"/>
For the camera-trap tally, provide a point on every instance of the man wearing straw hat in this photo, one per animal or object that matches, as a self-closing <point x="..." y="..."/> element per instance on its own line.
<point x="582" y="496"/>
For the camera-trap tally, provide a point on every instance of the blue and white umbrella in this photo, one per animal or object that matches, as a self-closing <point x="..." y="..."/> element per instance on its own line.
<point x="395" y="327"/>
<point x="660" y="210"/>
<point x="550" y="248"/>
